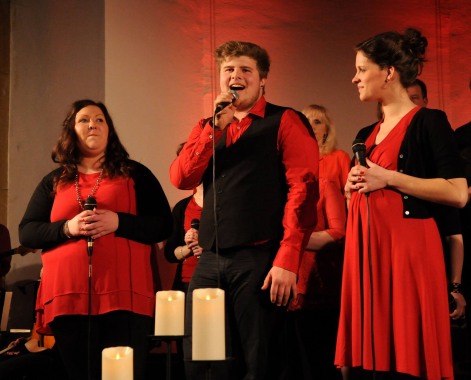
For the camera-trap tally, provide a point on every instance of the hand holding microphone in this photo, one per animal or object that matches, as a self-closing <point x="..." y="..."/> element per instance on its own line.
<point x="359" y="150"/>
<point x="223" y="114"/>
<point x="223" y="104"/>
<point x="376" y="177"/>
<point x="355" y="178"/>
<point x="90" y="204"/>
<point x="191" y="238"/>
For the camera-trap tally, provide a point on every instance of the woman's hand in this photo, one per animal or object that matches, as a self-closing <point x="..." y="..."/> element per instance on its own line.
<point x="460" y="309"/>
<point x="367" y="179"/>
<point x="355" y="180"/>
<point x="191" y="240"/>
<point x="196" y="249"/>
<point x="96" y="223"/>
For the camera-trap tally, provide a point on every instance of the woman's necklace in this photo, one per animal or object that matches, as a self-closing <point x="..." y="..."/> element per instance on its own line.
<point x="92" y="193"/>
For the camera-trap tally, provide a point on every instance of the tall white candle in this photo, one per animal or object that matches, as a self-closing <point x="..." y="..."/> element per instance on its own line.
<point x="169" y="313"/>
<point x="117" y="363"/>
<point x="209" y="340"/>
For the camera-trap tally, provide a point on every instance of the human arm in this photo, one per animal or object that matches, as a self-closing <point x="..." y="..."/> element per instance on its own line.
<point x="429" y="167"/>
<point x="341" y="165"/>
<point x="187" y="170"/>
<point x="191" y="240"/>
<point x="452" y="192"/>
<point x="153" y="222"/>
<point x="35" y="229"/>
<point x="332" y="211"/>
<point x="5" y="265"/>
<point x="150" y="224"/>
<point x="175" y="248"/>
<point x="318" y="240"/>
<point x="456" y="250"/>
<point x="5" y="248"/>
<point x="300" y="157"/>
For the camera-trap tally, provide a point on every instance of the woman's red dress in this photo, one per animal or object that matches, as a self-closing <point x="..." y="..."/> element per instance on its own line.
<point x="409" y="327"/>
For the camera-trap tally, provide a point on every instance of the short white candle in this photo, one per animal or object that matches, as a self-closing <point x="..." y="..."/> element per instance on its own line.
<point x="117" y="363"/>
<point x="169" y="313"/>
<point x="208" y="335"/>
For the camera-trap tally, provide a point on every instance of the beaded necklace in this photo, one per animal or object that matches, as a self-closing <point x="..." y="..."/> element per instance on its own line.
<point x="92" y="193"/>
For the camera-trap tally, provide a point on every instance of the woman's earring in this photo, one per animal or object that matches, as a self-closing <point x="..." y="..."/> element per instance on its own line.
<point x="324" y="138"/>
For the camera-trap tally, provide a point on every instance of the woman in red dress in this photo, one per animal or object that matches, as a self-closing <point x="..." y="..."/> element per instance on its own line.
<point x="97" y="287"/>
<point x="334" y="164"/>
<point x="394" y="317"/>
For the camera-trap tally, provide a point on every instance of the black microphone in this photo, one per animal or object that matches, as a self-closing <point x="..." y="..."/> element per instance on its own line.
<point x="359" y="149"/>
<point x="195" y="223"/>
<point x="223" y="105"/>
<point x="90" y="204"/>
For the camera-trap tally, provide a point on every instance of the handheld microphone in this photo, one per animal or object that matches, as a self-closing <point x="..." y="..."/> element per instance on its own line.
<point x="223" y="105"/>
<point x="359" y="149"/>
<point x="90" y="204"/>
<point x="195" y="223"/>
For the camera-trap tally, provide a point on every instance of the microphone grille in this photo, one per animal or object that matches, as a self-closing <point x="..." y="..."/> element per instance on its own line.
<point x="358" y="145"/>
<point x="90" y="203"/>
<point x="195" y="223"/>
<point x="234" y="94"/>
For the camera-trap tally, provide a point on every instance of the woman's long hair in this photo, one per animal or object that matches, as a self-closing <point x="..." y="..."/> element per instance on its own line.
<point x="329" y="142"/>
<point x="67" y="153"/>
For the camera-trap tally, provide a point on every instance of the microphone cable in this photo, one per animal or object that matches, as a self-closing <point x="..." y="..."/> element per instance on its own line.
<point x="216" y="222"/>
<point x="219" y="108"/>
<point x="370" y="269"/>
<point x="359" y="150"/>
<point x="89" y="315"/>
<point x="90" y="204"/>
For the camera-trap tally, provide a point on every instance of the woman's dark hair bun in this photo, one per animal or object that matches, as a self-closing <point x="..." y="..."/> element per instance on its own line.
<point x="416" y="42"/>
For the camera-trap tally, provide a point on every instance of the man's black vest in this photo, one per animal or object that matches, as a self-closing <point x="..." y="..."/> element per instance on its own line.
<point x="251" y="187"/>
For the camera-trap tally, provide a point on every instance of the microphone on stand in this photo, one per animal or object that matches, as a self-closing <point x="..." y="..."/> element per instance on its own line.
<point x="90" y="204"/>
<point x="223" y="105"/>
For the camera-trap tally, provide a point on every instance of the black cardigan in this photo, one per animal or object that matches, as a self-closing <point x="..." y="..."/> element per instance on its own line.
<point x="152" y="224"/>
<point x="428" y="150"/>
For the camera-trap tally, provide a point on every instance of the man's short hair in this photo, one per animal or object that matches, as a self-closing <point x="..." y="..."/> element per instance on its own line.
<point x="421" y="84"/>
<point x="240" y="48"/>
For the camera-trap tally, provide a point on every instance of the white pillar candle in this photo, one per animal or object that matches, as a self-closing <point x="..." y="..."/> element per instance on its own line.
<point x="169" y="313"/>
<point x="209" y="340"/>
<point x="117" y="363"/>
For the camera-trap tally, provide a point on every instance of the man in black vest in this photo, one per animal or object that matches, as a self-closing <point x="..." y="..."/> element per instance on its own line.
<point x="261" y="190"/>
<point x="463" y="139"/>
